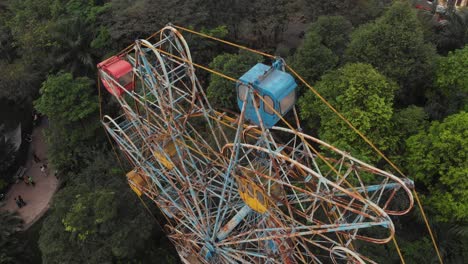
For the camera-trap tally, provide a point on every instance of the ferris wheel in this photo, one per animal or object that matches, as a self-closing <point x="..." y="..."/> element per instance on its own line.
<point x="250" y="188"/>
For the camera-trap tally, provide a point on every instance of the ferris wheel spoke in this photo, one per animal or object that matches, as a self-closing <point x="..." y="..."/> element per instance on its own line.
<point x="234" y="192"/>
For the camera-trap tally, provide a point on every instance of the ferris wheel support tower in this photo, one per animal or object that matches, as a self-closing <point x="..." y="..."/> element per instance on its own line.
<point x="241" y="189"/>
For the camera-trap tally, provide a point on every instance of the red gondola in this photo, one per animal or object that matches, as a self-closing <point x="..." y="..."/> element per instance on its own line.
<point x="119" y="70"/>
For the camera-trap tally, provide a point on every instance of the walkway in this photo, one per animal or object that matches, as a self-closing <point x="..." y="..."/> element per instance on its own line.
<point x="37" y="198"/>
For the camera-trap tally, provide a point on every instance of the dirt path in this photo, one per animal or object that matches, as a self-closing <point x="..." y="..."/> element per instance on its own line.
<point x="37" y="197"/>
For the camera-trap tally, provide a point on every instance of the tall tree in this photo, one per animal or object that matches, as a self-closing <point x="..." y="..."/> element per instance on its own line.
<point x="72" y="49"/>
<point x="72" y="109"/>
<point x="221" y="92"/>
<point x="10" y="246"/>
<point x="407" y="122"/>
<point x="394" y="45"/>
<point x="364" y="97"/>
<point x="450" y="92"/>
<point x="19" y="81"/>
<point x="453" y="32"/>
<point x="97" y="219"/>
<point x="335" y="32"/>
<point x="312" y="59"/>
<point x="438" y="158"/>
<point x="356" y="11"/>
<point x="323" y="47"/>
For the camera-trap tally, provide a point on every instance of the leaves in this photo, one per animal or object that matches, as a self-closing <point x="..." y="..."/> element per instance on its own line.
<point x="10" y="246"/>
<point x="98" y="221"/>
<point x="394" y="45"/>
<point x="66" y="100"/>
<point x="450" y="92"/>
<point x="438" y="159"/>
<point x="313" y="59"/>
<point x="365" y="98"/>
<point x="221" y="92"/>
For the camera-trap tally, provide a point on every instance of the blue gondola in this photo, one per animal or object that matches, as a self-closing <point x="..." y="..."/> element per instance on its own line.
<point x="276" y="87"/>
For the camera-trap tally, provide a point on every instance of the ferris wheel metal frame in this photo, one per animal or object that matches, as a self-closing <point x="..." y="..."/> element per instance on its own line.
<point x="232" y="192"/>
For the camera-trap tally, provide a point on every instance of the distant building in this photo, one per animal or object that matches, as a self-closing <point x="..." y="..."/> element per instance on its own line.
<point x="440" y="4"/>
<point x="458" y="3"/>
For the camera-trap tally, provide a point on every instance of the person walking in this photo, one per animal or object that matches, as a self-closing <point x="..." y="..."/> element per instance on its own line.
<point x="18" y="203"/>
<point x="20" y="199"/>
<point x="36" y="158"/>
<point x="30" y="179"/>
<point x="44" y="169"/>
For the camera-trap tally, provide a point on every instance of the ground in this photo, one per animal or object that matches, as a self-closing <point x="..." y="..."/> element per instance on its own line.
<point x="37" y="198"/>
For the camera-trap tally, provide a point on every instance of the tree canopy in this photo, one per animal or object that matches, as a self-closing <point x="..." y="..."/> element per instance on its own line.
<point x="10" y="246"/>
<point x="394" y="45"/>
<point x="222" y="92"/>
<point x="65" y="99"/>
<point x="450" y="92"/>
<point x="335" y="32"/>
<point x="72" y="109"/>
<point x="438" y="159"/>
<point x="364" y="97"/>
<point x="96" y="218"/>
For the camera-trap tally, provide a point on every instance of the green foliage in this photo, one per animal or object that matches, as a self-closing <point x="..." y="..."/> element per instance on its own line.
<point x="410" y="120"/>
<point x="102" y="40"/>
<point x="417" y="251"/>
<point x="356" y="11"/>
<point x="450" y="94"/>
<point x="31" y="23"/>
<point x="452" y="71"/>
<point x="221" y="92"/>
<point x="204" y="50"/>
<point x="7" y="50"/>
<point x="364" y="97"/>
<point x="394" y="45"/>
<point x="217" y="32"/>
<point x="312" y="58"/>
<point x="129" y="20"/>
<point x="66" y="100"/>
<point x="407" y="122"/>
<point x="453" y="241"/>
<point x="57" y="33"/>
<point x="96" y="218"/>
<point x="72" y="49"/>
<point x="453" y="34"/>
<point x="438" y="159"/>
<point x="334" y="31"/>
<point x="88" y="211"/>
<point x="7" y="156"/>
<point x="72" y="110"/>
<point x="18" y="82"/>
<point x="322" y="48"/>
<point x="10" y="246"/>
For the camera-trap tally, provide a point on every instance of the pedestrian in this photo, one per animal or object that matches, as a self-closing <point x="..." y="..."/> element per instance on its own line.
<point x="43" y="170"/>
<point x="35" y="120"/>
<point x="20" y="199"/>
<point x="30" y="179"/>
<point x="18" y="203"/>
<point x="36" y="158"/>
